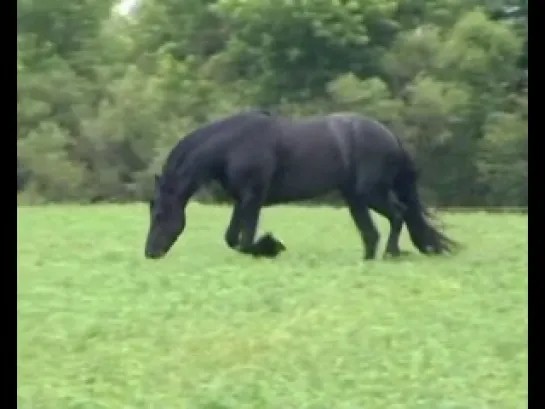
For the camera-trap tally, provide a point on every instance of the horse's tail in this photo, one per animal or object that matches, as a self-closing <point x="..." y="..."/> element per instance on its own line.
<point x="426" y="237"/>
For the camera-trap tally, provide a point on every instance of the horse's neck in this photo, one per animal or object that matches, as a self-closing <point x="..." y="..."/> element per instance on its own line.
<point x="190" y="178"/>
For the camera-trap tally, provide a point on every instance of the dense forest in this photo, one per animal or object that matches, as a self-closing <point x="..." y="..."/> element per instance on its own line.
<point x="102" y="95"/>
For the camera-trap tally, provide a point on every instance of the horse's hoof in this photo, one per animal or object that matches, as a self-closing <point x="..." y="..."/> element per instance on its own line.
<point x="395" y="255"/>
<point x="280" y="246"/>
<point x="269" y="246"/>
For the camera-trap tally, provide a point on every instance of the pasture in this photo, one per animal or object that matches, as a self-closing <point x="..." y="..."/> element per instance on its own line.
<point x="99" y="326"/>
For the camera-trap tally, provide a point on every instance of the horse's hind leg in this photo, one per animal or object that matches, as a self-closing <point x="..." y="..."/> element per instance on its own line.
<point x="359" y="211"/>
<point x="387" y="204"/>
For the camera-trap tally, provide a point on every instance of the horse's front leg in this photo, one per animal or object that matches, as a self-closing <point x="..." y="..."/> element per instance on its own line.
<point x="232" y="234"/>
<point x="241" y="233"/>
<point x="248" y="214"/>
<point x="268" y="246"/>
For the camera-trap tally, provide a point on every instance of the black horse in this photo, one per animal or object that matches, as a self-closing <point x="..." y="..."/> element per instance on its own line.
<point x="262" y="159"/>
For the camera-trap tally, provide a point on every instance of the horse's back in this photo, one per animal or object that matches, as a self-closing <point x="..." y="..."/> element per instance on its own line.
<point x="366" y="133"/>
<point x="339" y="138"/>
<point x="376" y="154"/>
<point x="317" y="155"/>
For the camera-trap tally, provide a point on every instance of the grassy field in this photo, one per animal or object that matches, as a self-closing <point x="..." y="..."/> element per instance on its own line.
<point x="205" y="328"/>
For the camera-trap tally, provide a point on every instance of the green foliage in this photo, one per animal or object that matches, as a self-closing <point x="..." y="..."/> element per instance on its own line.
<point x="481" y="51"/>
<point x="505" y="142"/>
<point x="44" y="152"/>
<point x="309" y="43"/>
<point x="111" y="94"/>
<point x="98" y="326"/>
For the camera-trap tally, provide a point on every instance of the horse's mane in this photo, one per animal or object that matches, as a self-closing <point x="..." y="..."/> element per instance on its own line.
<point x="203" y="134"/>
<point x="264" y="111"/>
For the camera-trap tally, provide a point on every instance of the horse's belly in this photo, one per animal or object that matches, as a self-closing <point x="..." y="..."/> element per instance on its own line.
<point x="297" y="185"/>
<point x="310" y="164"/>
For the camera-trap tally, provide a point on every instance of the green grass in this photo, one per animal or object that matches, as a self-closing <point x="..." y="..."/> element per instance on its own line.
<point x="205" y="328"/>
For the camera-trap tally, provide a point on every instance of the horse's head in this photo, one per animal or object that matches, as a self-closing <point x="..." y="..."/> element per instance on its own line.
<point x="167" y="220"/>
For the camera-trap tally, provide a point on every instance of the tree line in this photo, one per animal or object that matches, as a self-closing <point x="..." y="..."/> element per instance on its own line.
<point x="102" y="95"/>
